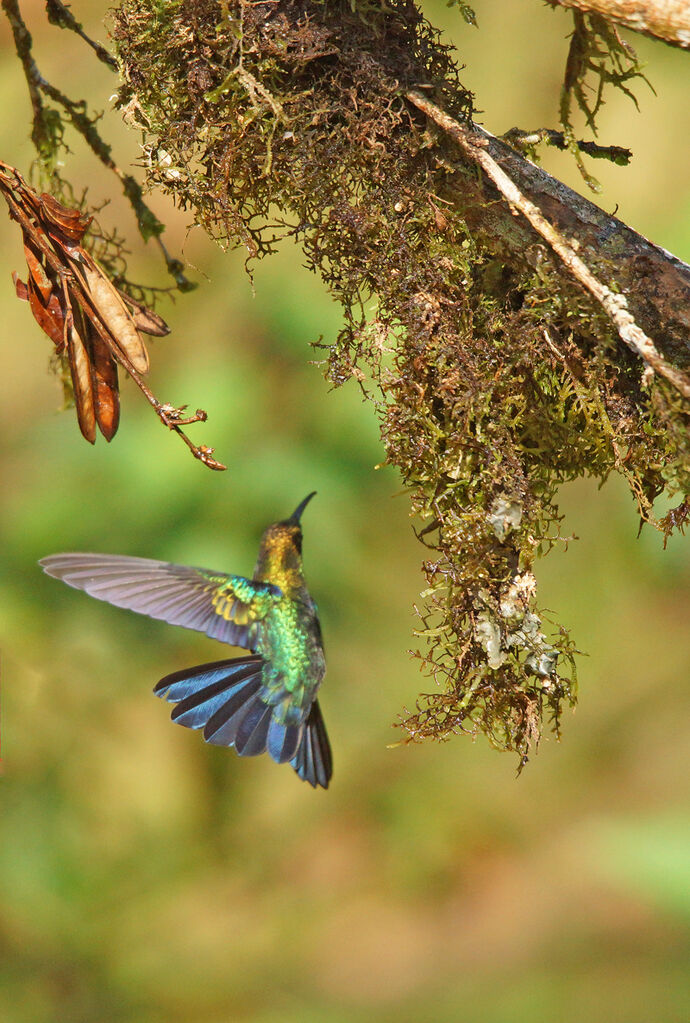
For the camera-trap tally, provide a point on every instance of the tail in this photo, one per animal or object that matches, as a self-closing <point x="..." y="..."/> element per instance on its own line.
<point x="313" y="760"/>
<point x="225" y="699"/>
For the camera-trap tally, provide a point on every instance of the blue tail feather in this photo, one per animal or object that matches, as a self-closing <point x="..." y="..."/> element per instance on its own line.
<point x="313" y="760"/>
<point x="196" y="710"/>
<point x="283" y="741"/>
<point x="180" y="684"/>
<point x="228" y="700"/>
<point x="221" y="728"/>
<point x="251" y="733"/>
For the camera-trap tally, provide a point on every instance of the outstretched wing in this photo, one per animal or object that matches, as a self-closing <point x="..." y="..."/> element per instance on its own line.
<point x="225" y="607"/>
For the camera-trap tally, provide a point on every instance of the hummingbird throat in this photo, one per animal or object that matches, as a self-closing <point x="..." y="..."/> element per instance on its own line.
<point x="280" y="560"/>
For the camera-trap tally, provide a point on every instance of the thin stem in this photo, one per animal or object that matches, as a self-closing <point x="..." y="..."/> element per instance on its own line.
<point x="148" y="223"/>
<point x="23" y="43"/>
<point x="59" y="14"/>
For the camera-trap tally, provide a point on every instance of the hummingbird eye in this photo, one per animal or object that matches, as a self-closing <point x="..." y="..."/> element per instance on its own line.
<point x="297" y="540"/>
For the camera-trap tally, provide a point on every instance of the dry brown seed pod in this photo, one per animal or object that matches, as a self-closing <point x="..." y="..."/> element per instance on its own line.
<point x="68" y="220"/>
<point x="49" y="316"/>
<point x="114" y="314"/>
<point x="82" y="384"/>
<point x="105" y="385"/>
<point x="144" y="318"/>
<point x="20" y="287"/>
<point x="37" y="271"/>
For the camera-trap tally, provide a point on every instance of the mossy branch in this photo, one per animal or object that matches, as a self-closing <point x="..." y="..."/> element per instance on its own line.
<point x="615" y="304"/>
<point x="475" y="311"/>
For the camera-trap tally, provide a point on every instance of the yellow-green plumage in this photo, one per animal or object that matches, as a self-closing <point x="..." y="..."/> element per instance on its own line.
<point x="289" y="637"/>
<point x="265" y="702"/>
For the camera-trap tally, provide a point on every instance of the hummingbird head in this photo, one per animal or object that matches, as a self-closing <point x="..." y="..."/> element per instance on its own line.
<point x="280" y="552"/>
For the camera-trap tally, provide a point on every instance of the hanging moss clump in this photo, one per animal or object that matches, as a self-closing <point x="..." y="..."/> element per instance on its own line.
<point x="494" y="377"/>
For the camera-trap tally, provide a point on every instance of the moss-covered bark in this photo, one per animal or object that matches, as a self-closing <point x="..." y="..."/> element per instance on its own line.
<point x="495" y="376"/>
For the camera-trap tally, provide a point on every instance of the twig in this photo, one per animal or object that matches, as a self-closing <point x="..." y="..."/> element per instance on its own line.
<point x="23" y="43"/>
<point x="148" y="223"/>
<point x="171" y="417"/>
<point x="526" y="140"/>
<point x="615" y="305"/>
<point x="59" y="14"/>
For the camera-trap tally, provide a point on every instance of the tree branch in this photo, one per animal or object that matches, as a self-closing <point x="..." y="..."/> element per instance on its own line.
<point x="475" y="147"/>
<point x="667" y="20"/>
<point x="655" y="282"/>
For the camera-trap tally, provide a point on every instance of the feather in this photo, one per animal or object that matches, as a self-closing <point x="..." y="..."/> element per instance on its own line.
<point x="313" y="761"/>
<point x="195" y="598"/>
<point x="283" y="741"/>
<point x="227" y="699"/>
<point x="251" y="734"/>
<point x="180" y="684"/>
<point x="220" y="688"/>
<point x="221" y="729"/>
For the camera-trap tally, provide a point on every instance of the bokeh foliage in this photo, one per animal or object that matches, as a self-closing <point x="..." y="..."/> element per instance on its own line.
<point x="495" y="379"/>
<point x="145" y="878"/>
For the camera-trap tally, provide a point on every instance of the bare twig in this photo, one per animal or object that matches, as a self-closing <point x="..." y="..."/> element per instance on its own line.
<point x="615" y="305"/>
<point x="59" y="14"/>
<point x="525" y="141"/>
<point x="172" y="417"/>
<point x="23" y="43"/>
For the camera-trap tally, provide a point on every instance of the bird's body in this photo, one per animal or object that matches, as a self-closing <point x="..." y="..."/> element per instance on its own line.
<point x="289" y="637"/>
<point x="264" y="702"/>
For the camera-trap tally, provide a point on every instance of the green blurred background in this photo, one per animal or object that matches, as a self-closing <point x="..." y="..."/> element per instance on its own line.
<point x="147" y="877"/>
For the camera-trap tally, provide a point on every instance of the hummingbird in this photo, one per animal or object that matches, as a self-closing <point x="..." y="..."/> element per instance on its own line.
<point x="264" y="702"/>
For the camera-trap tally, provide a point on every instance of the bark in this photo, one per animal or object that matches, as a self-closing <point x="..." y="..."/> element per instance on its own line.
<point x="667" y="20"/>
<point x="476" y="147"/>
<point x="655" y="282"/>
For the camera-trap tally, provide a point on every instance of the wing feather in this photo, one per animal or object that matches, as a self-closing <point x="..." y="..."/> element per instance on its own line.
<point x="196" y="598"/>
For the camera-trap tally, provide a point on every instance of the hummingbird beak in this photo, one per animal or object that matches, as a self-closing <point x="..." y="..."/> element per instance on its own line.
<point x="297" y="513"/>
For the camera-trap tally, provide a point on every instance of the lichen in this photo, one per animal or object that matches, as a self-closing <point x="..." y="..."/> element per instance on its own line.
<point x="494" y="379"/>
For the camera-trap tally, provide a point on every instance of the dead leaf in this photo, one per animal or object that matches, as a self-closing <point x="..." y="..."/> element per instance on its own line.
<point x="91" y="322"/>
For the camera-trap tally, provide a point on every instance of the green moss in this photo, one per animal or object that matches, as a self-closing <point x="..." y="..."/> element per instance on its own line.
<point x="494" y="381"/>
